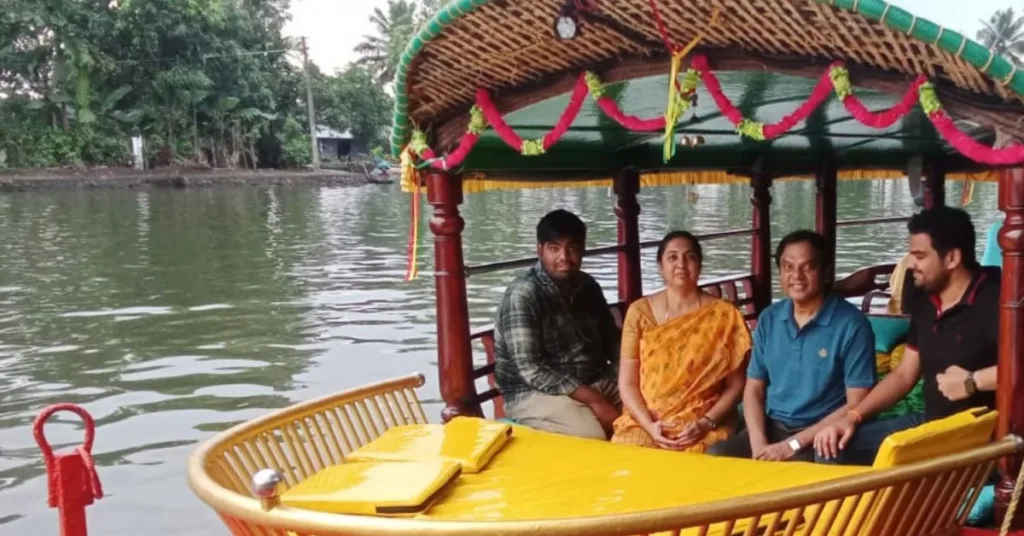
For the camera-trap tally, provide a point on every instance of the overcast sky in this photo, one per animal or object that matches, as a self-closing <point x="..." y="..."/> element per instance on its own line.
<point x="334" y="27"/>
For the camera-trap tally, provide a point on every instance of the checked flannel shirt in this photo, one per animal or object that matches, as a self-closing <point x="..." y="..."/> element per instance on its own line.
<point x="549" y="343"/>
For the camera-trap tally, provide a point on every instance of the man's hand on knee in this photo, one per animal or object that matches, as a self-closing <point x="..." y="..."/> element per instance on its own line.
<point x="606" y="414"/>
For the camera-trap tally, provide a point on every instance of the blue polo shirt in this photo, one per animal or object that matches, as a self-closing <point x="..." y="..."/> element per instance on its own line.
<point x="808" y="370"/>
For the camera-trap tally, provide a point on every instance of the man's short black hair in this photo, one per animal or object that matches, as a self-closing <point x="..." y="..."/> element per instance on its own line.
<point x="949" y="228"/>
<point x="822" y="254"/>
<point x="561" y="225"/>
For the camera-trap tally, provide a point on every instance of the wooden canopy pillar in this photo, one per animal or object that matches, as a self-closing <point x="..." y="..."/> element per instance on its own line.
<point x="761" y="241"/>
<point x="454" y="353"/>
<point x="934" y="183"/>
<point x="1010" y="390"/>
<point x="627" y="211"/>
<point x="826" y="210"/>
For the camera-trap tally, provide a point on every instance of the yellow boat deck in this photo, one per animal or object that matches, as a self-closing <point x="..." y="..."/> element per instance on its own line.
<point x="541" y="476"/>
<point x="370" y="450"/>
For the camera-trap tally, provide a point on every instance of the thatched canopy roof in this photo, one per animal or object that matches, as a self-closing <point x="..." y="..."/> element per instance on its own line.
<point x="768" y="55"/>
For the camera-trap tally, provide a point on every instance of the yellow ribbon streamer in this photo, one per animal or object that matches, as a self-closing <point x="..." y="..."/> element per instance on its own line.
<point x="673" y="110"/>
<point x="412" y="175"/>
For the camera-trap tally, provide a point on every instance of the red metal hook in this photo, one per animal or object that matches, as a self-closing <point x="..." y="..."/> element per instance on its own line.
<point x="72" y="480"/>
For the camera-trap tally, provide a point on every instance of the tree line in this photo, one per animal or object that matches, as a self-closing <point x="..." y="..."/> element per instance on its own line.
<point x="203" y="82"/>
<point x="206" y="82"/>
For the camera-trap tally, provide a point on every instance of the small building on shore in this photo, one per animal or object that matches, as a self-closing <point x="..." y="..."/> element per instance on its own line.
<point x="337" y="145"/>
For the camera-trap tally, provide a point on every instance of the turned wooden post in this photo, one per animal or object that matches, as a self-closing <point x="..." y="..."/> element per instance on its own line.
<point x="454" y="354"/>
<point x="825" y="205"/>
<point x="934" y="183"/>
<point x="1010" y="391"/>
<point x="627" y="210"/>
<point x="761" y="241"/>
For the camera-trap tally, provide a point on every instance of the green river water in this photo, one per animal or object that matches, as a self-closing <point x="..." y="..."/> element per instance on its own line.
<point x="172" y="314"/>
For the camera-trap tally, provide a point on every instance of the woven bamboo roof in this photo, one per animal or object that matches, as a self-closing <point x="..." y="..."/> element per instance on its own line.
<point x="509" y="48"/>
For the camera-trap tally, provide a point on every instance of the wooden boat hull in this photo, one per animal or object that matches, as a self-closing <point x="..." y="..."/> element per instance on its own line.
<point x="628" y="490"/>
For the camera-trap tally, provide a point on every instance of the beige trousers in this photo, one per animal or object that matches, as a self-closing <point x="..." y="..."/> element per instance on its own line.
<point x="562" y="414"/>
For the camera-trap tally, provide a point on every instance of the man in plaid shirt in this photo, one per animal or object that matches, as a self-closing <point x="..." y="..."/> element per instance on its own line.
<point x="556" y="343"/>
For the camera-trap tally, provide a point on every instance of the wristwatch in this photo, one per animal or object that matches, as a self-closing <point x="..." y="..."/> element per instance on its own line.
<point x="794" y="444"/>
<point x="711" y="423"/>
<point x="969" y="385"/>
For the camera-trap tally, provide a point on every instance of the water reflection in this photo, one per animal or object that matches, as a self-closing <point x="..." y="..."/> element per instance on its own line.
<point x="171" y="315"/>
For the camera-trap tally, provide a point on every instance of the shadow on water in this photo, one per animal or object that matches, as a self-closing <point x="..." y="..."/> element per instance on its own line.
<point x="173" y="314"/>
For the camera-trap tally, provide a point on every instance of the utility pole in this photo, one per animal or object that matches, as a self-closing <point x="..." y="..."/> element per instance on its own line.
<point x="309" y="106"/>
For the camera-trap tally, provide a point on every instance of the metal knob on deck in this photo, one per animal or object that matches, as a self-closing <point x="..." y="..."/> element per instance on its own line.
<point x="266" y="485"/>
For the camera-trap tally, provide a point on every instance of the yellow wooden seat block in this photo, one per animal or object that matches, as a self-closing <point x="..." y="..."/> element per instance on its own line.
<point x="468" y="441"/>
<point x="373" y="488"/>
<point x="956" y="433"/>
<point x="941" y="437"/>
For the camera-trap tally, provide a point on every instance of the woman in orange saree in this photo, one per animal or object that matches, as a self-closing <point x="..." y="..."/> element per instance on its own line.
<point x="681" y="372"/>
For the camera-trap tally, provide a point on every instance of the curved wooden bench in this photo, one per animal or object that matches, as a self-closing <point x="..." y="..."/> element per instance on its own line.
<point x="871" y="283"/>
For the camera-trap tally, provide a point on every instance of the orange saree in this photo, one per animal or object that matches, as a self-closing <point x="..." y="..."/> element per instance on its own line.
<point x="683" y="366"/>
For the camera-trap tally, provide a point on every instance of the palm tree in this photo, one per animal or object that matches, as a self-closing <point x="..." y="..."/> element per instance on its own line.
<point x="382" y="51"/>
<point x="1004" y="34"/>
<point x="429" y="8"/>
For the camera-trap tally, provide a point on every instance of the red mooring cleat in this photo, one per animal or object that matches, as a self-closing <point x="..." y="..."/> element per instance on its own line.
<point x="72" y="480"/>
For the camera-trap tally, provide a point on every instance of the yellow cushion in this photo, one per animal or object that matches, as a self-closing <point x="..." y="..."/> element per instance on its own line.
<point x="373" y="488"/>
<point x="468" y="441"/>
<point x="883" y="362"/>
<point x="896" y="356"/>
<point x="956" y="433"/>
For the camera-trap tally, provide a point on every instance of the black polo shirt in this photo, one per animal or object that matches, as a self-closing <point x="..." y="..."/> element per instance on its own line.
<point x="966" y="335"/>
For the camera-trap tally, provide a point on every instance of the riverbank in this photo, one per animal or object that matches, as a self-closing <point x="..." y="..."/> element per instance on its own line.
<point x="45" y="179"/>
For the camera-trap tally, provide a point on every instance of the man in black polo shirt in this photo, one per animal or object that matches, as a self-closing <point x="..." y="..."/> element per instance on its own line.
<point x="952" y="343"/>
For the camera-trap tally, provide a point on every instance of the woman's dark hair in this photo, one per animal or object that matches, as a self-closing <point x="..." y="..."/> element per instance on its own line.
<point x="949" y="228"/>
<point x="561" y="225"/>
<point x="822" y="254"/>
<point x="686" y="235"/>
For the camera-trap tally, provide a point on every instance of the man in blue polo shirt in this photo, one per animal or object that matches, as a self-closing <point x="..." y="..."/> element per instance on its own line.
<point x="813" y="358"/>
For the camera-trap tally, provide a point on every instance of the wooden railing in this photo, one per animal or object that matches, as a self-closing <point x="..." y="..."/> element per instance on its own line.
<point x="737" y="289"/>
<point x="870" y="283"/>
<point x="500" y="266"/>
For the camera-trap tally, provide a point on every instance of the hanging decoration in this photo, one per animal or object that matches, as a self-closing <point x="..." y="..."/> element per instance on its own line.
<point x="835" y="80"/>
<point x="411" y="270"/>
<point x="680" y="98"/>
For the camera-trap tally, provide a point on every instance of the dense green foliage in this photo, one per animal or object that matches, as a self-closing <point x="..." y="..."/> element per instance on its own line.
<point x="206" y="82"/>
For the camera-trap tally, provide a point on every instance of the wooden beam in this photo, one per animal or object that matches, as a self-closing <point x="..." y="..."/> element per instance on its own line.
<point x="627" y="211"/>
<point x="454" y="352"/>
<point x="761" y="243"/>
<point x="934" y="183"/>
<point x="826" y="205"/>
<point x="1010" y="371"/>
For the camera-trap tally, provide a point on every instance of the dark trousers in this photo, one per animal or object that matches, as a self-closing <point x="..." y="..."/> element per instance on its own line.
<point x="738" y="446"/>
<point x="868" y="438"/>
<point x="861" y="449"/>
